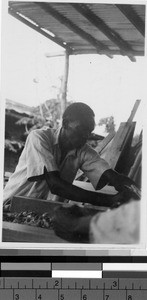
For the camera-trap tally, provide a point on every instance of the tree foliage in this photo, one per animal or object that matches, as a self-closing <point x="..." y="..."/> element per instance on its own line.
<point x="13" y="146"/>
<point x="109" y="124"/>
<point x="47" y="114"/>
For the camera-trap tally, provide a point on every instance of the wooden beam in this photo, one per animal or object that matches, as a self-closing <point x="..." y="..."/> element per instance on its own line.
<point x="105" y="29"/>
<point x="134" y="110"/>
<point x="104" y="142"/>
<point x="55" y="54"/>
<point x="122" y="165"/>
<point x="101" y="48"/>
<point x="19" y="204"/>
<point x="133" y="17"/>
<point x="136" y="165"/>
<point x="40" y="206"/>
<point x="109" y="190"/>
<point x="120" y="139"/>
<point x="64" y="84"/>
<point x="112" y="52"/>
<point x="56" y="40"/>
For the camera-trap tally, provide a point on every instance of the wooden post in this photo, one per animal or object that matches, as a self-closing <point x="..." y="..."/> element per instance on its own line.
<point x="64" y="84"/>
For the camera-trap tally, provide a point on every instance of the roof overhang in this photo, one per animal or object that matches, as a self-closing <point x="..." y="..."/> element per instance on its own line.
<point x="86" y="28"/>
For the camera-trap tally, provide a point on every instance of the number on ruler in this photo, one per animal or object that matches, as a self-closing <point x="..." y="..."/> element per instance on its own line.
<point x="16" y="297"/>
<point x="62" y="297"/>
<point x="114" y="283"/>
<point x="129" y="297"/>
<point x="40" y="297"/>
<point x="56" y="283"/>
<point x="84" y="297"/>
<point x="106" y="297"/>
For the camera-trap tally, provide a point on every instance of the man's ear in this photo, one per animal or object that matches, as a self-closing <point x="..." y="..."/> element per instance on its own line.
<point x="65" y="123"/>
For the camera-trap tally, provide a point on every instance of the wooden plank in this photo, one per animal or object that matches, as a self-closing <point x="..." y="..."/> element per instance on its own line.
<point x="40" y="206"/>
<point x="106" y="149"/>
<point x="134" y="110"/>
<point x="122" y="165"/>
<point x="136" y="165"/>
<point x="133" y="17"/>
<point x="13" y="232"/>
<point x="20" y="204"/>
<point x="109" y="190"/>
<point x="121" y="138"/>
<point x="119" y="141"/>
<point x="104" y="142"/>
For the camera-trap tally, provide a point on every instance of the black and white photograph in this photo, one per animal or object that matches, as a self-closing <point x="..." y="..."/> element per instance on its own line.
<point x="73" y="117"/>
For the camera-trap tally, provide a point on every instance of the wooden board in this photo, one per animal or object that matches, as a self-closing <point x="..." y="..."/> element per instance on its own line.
<point x="101" y="146"/>
<point x="137" y="164"/>
<point x="12" y="232"/>
<point x="109" y="190"/>
<point x="119" y="141"/>
<point x="113" y="152"/>
<point x="134" y="110"/>
<point x="40" y="206"/>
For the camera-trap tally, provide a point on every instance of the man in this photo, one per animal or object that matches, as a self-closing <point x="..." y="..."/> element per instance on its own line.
<point x="51" y="158"/>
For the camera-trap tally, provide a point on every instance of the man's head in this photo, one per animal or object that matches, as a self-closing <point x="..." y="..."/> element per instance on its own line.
<point x="78" y="123"/>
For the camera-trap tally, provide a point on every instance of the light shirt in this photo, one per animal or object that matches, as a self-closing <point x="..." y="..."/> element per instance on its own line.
<point x="117" y="226"/>
<point x="42" y="149"/>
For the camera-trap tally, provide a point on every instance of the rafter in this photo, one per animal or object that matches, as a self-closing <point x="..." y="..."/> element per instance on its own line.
<point x="68" y="23"/>
<point x="125" y="49"/>
<point x="113" y="52"/>
<point x="132" y="16"/>
<point x="56" y="40"/>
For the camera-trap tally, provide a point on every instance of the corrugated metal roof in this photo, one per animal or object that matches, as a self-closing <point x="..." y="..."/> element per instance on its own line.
<point x="110" y="29"/>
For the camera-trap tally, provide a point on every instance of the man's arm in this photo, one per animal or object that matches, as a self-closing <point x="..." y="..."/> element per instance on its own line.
<point x="119" y="181"/>
<point x="64" y="189"/>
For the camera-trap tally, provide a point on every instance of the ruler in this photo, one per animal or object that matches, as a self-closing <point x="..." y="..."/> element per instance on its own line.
<point x="73" y="288"/>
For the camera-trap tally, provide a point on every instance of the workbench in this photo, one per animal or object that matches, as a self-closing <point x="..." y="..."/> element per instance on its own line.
<point x="14" y="232"/>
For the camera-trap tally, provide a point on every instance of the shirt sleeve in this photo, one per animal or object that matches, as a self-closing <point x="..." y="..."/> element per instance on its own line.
<point x="93" y="165"/>
<point x="117" y="226"/>
<point x="39" y="153"/>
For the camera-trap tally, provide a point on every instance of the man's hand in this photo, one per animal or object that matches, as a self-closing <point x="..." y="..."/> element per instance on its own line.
<point x="120" y="182"/>
<point x="128" y="186"/>
<point x="120" y="199"/>
<point x="71" y="224"/>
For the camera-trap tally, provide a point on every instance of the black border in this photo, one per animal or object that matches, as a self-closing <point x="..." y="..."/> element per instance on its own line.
<point x="73" y="259"/>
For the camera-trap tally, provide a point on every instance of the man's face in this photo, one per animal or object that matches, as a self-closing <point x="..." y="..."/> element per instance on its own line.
<point x="76" y="134"/>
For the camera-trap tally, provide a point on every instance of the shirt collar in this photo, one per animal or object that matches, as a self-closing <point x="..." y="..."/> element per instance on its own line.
<point x="56" y="141"/>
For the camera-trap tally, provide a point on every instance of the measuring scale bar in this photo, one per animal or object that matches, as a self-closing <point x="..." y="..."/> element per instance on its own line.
<point x="73" y="289"/>
<point x="51" y="270"/>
